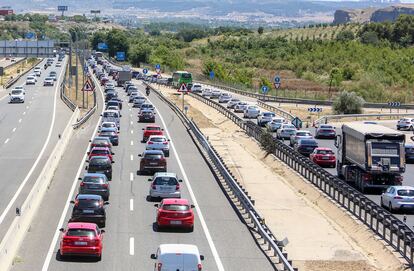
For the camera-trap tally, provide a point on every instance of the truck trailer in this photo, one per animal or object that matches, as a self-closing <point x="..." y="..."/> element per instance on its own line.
<point x="370" y="156"/>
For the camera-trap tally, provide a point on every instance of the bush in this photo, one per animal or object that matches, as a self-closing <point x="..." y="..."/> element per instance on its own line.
<point x="348" y="103"/>
<point x="267" y="142"/>
<point x="345" y="35"/>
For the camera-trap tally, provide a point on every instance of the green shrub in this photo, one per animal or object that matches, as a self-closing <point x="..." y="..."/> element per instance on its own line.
<point x="348" y="103"/>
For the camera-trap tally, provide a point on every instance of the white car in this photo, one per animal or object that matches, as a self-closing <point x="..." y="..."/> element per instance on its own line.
<point x="49" y="81"/>
<point x="37" y="71"/>
<point x="158" y="142"/>
<point x="405" y="124"/>
<point x="147" y="106"/>
<point x="58" y="64"/>
<point x="178" y="257"/>
<point x="138" y="101"/>
<point x="275" y="124"/>
<point x="109" y="85"/>
<point x="17" y="96"/>
<point x="264" y="118"/>
<point x="285" y="131"/>
<point x="31" y="80"/>
<point x="215" y="94"/>
<point x="224" y="98"/>
<point x="196" y="88"/>
<point x="165" y="185"/>
<point x="240" y="107"/>
<point x="233" y="102"/>
<point x="398" y="198"/>
<point x="206" y="92"/>
<point x="251" y="112"/>
<point x="108" y="124"/>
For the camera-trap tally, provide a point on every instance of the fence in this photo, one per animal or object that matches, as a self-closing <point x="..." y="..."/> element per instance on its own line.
<point x="387" y="226"/>
<point x="325" y="119"/>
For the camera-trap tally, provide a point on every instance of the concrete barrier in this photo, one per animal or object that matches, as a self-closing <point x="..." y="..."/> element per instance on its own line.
<point x="21" y="223"/>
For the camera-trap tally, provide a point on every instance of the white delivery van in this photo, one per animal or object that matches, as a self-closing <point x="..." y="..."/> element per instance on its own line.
<point x="177" y="257"/>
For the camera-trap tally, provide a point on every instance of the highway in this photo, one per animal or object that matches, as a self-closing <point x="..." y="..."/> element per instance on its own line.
<point x="220" y="235"/>
<point x="7" y="62"/>
<point x="29" y="131"/>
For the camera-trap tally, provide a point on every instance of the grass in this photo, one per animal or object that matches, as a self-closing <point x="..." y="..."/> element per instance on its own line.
<point x="16" y="69"/>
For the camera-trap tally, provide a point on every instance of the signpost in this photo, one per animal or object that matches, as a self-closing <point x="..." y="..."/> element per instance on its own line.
<point x="394" y="104"/>
<point x="102" y="46"/>
<point x="120" y="56"/>
<point x="183" y="89"/>
<point x="297" y="122"/>
<point x="30" y="35"/>
<point x="277" y="81"/>
<point x="212" y="75"/>
<point x="145" y="70"/>
<point x="63" y="9"/>
<point x="265" y="89"/>
<point x="89" y="86"/>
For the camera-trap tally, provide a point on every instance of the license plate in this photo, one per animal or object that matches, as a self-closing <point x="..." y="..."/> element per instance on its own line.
<point x="81" y="243"/>
<point x="164" y="188"/>
<point x="87" y="211"/>
<point x="325" y="158"/>
<point x="153" y="164"/>
<point x="175" y="222"/>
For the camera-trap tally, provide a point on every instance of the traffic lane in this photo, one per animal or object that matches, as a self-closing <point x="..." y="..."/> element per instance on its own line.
<point x="7" y="62"/>
<point x="37" y="241"/>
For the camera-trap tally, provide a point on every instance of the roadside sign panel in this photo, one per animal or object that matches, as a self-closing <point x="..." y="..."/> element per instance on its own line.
<point x="102" y="46"/>
<point x="277" y="85"/>
<point x="315" y="109"/>
<point x="89" y="86"/>
<point x="212" y="74"/>
<point x="265" y="89"/>
<point x="183" y="88"/>
<point x="277" y="79"/>
<point x="145" y="70"/>
<point x="120" y="56"/>
<point x="394" y="104"/>
<point x="158" y="66"/>
<point x="297" y="122"/>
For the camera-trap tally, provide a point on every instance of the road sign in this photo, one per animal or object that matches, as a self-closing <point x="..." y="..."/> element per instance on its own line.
<point x="62" y="8"/>
<point x="277" y="79"/>
<point x="88" y="86"/>
<point x="120" y="56"/>
<point x="158" y="66"/>
<point x="212" y="74"/>
<point x="30" y="35"/>
<point x="85" y="68"/>
<point x="277" y="85"/>
<point x="394" y="104"/>
<point x="145" y="70"/>
<point x="297" y="122"/>
<point x="102" y="46"/>
<point x="265" y="89"/>
<point x="315" y="109"/>
<point x="183" y="88"/>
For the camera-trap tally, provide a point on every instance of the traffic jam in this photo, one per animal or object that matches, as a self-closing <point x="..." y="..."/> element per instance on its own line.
<point x="84" y="232"/>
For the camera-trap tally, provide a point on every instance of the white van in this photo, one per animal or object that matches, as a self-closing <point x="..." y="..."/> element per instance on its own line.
<point x="177" y="257"/>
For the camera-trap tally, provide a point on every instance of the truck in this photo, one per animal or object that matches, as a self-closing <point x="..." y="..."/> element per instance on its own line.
<point x="123" y="76"/>
<point x="370" y="156"/>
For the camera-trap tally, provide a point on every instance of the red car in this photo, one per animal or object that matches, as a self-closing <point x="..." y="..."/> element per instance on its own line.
<point x="81" y="239"/>
<point x="150" y="130"/>
<point x="175" y="213"/>
<point x="323" y="157"/>
<point x="104" y="80"/>
<point x="101" y="142"/>
<point x="101" y="151"/>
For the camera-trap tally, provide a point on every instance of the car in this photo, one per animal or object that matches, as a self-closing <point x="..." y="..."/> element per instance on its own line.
<point x="146" y="116"/>
<point x="96" y="184"/>
<point x="111" y="134"/>
<point x="58" y="64"/>
<point x="81" y="239"/>
<point x="89" y="208"/>
<point x="48" y="81"/>
<point x="305" y="146"/>
<point x="224" y="98"/>
<point x="150" y="130"/>
<point x="147" y="106"/>
<point x="405" y="124"/>
<point x="196" y="88"/>
<point x="232" y="103"/>
<point x="138" y="101"/>
<point x="274" y="124"/>
<point x="31" y="80"/>
<point x="131" y="89"/>
<point x="251" y="112"/>
<point x="126" y="84"/>
<point x="100" y="142"/>
<point x="264" y="118"/>
<point x="178" y="257"/>
<point x="323" y="157"/>
<point x="112" y="116"/>
<point x="108" y="124"/>
<point x="158" y="142"/>
<point x="325" y="131"/>
<point x="38" y="73"/>
<point x="240" y="107"/>
<point x="100" y="164"/>
<point x="109" y="89"/>
<point x="109" y="85"/>
<point x="20" y="88"/>
<point x="172" y="212"/>
<point x="206" y="92"/>
<point x="152" y="161"/>
<point x="397" y="198"/>
<point x="17" y="96"/>
<point x="299" y="135"/>
<point x="110" y="95"/>
<point x="409" y="152"/>
<point x="285" y="131"/>
<point x="164" y="185"/>
<point x="101" y="151"/>
<point x="114" y="102"/>
<point x="53" y="75"/>
<point x="103" y="81"/>
<point x="133" y="96"/>
<point x="215" y="94"/>
<point x="113" y="107"/>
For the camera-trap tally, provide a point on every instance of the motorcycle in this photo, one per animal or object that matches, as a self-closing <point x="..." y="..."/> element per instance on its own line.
<point x="147" y="91"/>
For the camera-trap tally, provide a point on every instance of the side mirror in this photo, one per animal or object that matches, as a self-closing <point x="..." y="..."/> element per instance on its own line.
<point x="9" y="93"/>
<point x="106" y="203"/>
<point x="202" y="257"/>
<point x="112" y="153"/>
<point x="150" y="180"/>
<point x="180" y="181"/>
<point x="100" y="115"/>
<point x="168" y="140"/>
<point x="162" y="129"/>
<point x="140" y="155"/>
<point x="102" y="231"/>
<point x="143" y="129"/>
<point x="112" y="162"/>
<point x="80" y="179"/>
<point x="62" y="229"/>
<point x="192" y="206"/>
<point x="88" y="153"/>
<point x="90" y="140"/>
<point x="87" y="161"/>
<point x="153" y="256"/>
<point x="72" y="201"/>
<point x="86" y="168"/>
<point x="156" y="205"/>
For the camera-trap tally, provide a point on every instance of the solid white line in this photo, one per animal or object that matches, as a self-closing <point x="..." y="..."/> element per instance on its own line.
<point x="27" y="107"/>
<point x="131" y="246"/>
<point x="29" y="174"/>
<point x="132" y="142"/>
<point x="132" y="122"/>
<point x="131" y="205"/>
<point x="216" y="256"/>
<point x="131" y="176"/>
<point x="24" y="113"/>
<point x="7" y="140"/>
<point x="132" y="131"/>
<point x="70" y="196"/>
<point x="130" y="109"/>
<point x="14" y="130"/>
<point x="132" y="157"/>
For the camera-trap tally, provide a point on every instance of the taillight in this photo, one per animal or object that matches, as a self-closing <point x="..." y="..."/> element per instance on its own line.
<point x="94" y="242"/>
<point x="159" y="266"/>
<point x="76" y="202"/>
<point x="153" y="186"/>
<point x="165" y="142"/>
<point x="399" y="179"/>
<point x="66" y="241"/>
<point x="200" y="267"/>
<point x="81" y="184"/>
<point x="398" y="197"/>
<point x="366" y="177"/>
<point x="177" y="186"/>
<point x="105" y="185"/>
<point x="150" y="142"/>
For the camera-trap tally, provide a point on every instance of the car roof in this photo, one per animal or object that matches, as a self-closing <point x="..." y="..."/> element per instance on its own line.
<point x="100" y="148"/>
<point x="178" y="248"/>
<point x="153" y="152"/>
<point x="88" y="196"/>
<point x="403" y="187"/>
<point x="176" y="201"/>
<point x="94" y="175"/>
<point x="153" y="125"/>
<point x="323" y="148"/>
<point x="165" y="174"/>
<point x="81" y="225"/>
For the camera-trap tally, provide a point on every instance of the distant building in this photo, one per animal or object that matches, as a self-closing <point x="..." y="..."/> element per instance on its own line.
<point x="6" y="11"/>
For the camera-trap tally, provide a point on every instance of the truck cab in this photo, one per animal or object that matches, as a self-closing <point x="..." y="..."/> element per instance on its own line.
<point x="177" y="257"/>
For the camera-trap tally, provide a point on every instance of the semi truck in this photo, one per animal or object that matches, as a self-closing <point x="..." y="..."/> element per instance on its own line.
<point x="123" y="75"/>
<point x="370" y="156"/>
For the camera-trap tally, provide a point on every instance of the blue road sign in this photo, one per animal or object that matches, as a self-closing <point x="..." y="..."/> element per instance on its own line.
<point x="145" y="71"/>
<point x="120" y="56"/>
<point x="85" y="68"/>
<point x="315" y="109"/>
<point x="29" y="35"/>
<point x="277" y="79"/>
<point x="265" y="89"/>
<point x="212" y="74"/>
<point x="157" y="66"/>
<point x="102" y="46"/>
<point x="62" y="8"/>
<point x="297" y="122"/>
<point x="394" y="104"/>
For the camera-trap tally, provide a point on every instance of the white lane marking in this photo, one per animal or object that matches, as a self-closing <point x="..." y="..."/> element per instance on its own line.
<point x="30" y="102"/>
<point x="132" y="122"/>
<point x="27" y="107"/>
<point x="7" y="140"/>
<point x="132" y="142"/>
<point x="131" y="176"/>
<point x="132" y="131"/>
<point x="216" y="256"/>
<point x="131" y="246"/>
<point x="131" y="205"/>
<point x="132" y="157"/>
<point x="24" y="113"/>
<point x="29" y="174"/>
<point x="14" y="130"/>
<point x="70" y="196"/>
<point x="130" y="109"/>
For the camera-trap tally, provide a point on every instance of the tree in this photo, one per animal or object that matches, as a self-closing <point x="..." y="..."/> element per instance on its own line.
<point x="117" y="41"/>
<point x="348" y="103"/>
<point x="139" y="53"/>
<point x="403" y="31"/>
<point x="345" y="35"/>
<point x="370" y="37"/>
<point x="97" y="37"/>
<point x="260" y="30"/>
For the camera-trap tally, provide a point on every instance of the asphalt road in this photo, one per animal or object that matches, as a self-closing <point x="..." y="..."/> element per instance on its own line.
<point x="7" y="62"/>
<point x="129" y="240"/>
<point x="29" y="131"/>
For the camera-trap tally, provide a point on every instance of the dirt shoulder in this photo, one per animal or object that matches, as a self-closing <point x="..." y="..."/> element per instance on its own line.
<point x="321" y="235"/>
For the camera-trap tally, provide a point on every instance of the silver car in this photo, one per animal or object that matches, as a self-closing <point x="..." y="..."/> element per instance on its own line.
<point x="240" y="107"/>
<point x="405" y="124"/>
<point x="165" y="185"/>
<point x="297" y="135"/>
<point x="285" y="131"/>
<point x="224" y="98"/>
<point x="138" y="101"/>
<point x="159" y="142"/>
<point x="275" y="124"/>
<point x="232" y="103"/>
<point x="398" y="198"/>
<point x="215" y="94"/>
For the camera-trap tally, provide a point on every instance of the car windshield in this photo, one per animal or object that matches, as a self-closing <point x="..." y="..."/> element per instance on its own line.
<point x="326" y="127"/>
<point x="307" y="142"/>
<point x="268" y="114"/>
<point x="49" y="79"/>
<point x="110" y="114"/>
<point x="165" y="181"/>
<point x="107" y="133"/>
<point x="324" y="152"/>
<point x="88" y="203"/>
<point x="175" y="207"/>
<point x="303" y="134"/>
<point x="99" y="161"/>
<point x="16" y="92"/>
<point x="405" y="192"/>
<point x="277" y="121"/>
<point x="153" y="128"/>
<point x="157" y="139"/>
<point x="81" y="232"/>
<point x="100" y="141"/>
<point x="108" y="125"/>
<point x="93" y="179"/>
<point x="153" y="156"/>
<point x="100" y="152"/>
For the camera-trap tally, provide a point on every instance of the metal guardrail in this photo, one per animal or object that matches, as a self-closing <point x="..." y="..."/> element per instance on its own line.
<point x="85" y="118"/>
<point x="324" y="119"/>
<point x="64" y="98"/>
<point x="278" y="111"/>
<point x="243" y="198"/>
<point x="384" y="224"/>
<point x="14" y="80"/>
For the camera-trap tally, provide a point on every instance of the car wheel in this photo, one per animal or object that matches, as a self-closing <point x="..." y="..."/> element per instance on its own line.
<point x="411" y="128"/>
<point x="99" y="257"/>
<point x="191" y="229"/>
<point x="390" y="208"/>
<point x="382" y="203"/>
